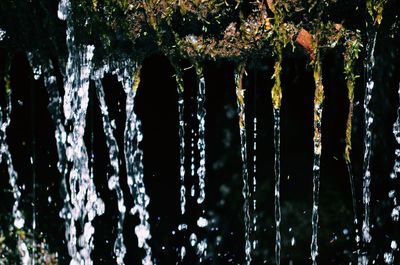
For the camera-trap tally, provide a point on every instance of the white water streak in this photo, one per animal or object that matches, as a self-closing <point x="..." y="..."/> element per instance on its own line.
<point x="181" y="135"/>
<point x="245" y="175"/>
<point x="368" y="119"/>
<point x="134" y="159"/>
<point x="277" y="169"/>
<point x="318" y="108"/>
<point x="5" y="156"/>
<point x="255" y="241"/>
<point x="201" y="143"/>
<point x="113" y="153"/>
<point x="85" y="204"/>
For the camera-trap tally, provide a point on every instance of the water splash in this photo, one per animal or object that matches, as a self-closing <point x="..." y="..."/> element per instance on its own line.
<point x="238" y="75"/>
<point x="318" y="107"/>
<point x="130" y="78"/>
<point x="113" y="153"/>
<point x="5" y="155"/>
<point x="276" y="94"/>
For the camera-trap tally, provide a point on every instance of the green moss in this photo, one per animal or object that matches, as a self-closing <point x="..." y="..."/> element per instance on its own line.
<point x="352" y="49"/>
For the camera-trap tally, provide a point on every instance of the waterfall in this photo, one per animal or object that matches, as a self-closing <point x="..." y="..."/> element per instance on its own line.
<point x="318" y="107"/>
<point x="239" y="72"/>
<point x="113" y="153"/>
<point x="133" y="136"/>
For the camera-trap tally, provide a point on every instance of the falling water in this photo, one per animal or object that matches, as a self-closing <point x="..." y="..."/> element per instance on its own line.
<point x="276" y="94"/>
<point x="389" y="257"/>
<point x="134" y="158"/>
<point x="254" y="180"/>
<point x="201" y="146"/>
<point x="55" y="109"/>
<point x="5" y="156"/>
<point x="318" y="107"/>
<point x="368" y="119"/>
<point x="277" y="140"/>
<point x="114" y="180"/>
<point x="254" y="231"/>
<point x="181" y="134"/>
<point x="350" y="55"/>
<point x="85" y="204"/>
<point x="243" y="142"/>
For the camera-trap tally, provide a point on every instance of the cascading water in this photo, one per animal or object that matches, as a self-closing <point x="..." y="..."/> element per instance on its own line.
<point x="318" y="107"/>
<point x="238" y="75"/>
<point x="5" y="156"/>
<point x="133" y="136"/>
<point x="114" y="180"/>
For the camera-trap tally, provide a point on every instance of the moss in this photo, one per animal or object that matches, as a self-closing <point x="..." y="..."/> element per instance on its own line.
<point x="136" y="78"/>
<point x="352" y="49"/>
<point x="239" y="73"/>
<point x="375" y="10"/>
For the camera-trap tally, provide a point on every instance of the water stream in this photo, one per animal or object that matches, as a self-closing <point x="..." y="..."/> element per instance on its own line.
<point x="389" y="256"/>
<point x="276" y="95"/>
<point x="85" y="204"/>
<point x="318" y="107"/>
<point x="181" y="135"/>
<point x="202" y="222"/>
<point x="5" y="155"/>
<point x="238" y="75"/>
<point x="201" y="143"/>
<point x="114" y="179"/>
<point x="130" y="79"/>
<point x="368" y="119"/>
